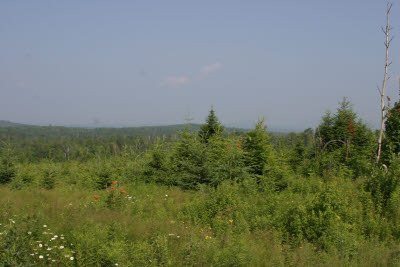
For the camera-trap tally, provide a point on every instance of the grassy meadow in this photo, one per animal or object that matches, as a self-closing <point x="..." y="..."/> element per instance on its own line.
<point x="207" y="198"/>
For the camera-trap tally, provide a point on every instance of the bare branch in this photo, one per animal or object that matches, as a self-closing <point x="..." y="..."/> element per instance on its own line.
<point x="332" y="141"/>
<point x="379" y="90"/>
<point x="389" y="7"/>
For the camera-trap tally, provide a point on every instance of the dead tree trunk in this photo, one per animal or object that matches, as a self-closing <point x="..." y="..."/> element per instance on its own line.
<point x="385" y="78"/>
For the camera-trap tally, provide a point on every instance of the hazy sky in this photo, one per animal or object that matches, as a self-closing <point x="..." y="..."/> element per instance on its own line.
<point x="152" y="62"/>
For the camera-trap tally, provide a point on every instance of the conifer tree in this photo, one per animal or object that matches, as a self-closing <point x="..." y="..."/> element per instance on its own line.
<point x="258" y="150"/>
<point x="211" y="128"/>
<point x="343" y="130"/>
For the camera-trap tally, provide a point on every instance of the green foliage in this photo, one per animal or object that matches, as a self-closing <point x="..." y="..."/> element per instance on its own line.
<point x="189" y="161"/>
<point x="193" y="162"/>
<point x="7" y="171"/>
<point x="7" y="159"/>
<point x="159" y="167"/>
<point x="102" y="176"/>
<point x="211" y="128"/>
<point x="343" y="126"/>
<point x="204" y="199"/>
<point x="258" y="151"/>
<point x="384" y="185"/>
<point x="391" y="141"/>
<point x="348" y="140"/>
<point x="48" y="178"/>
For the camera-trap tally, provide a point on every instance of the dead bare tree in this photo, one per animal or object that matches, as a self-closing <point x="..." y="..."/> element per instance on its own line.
<point x="388" y="40"/>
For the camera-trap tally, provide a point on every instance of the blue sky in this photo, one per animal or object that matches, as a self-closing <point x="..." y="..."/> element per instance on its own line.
<point x="152" y="62"/>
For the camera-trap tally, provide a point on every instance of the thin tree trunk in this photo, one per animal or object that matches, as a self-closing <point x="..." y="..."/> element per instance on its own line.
<point x="383" y="111"/>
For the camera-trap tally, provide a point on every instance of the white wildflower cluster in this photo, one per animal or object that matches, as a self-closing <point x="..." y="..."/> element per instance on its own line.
<point x="131" y="199"/>
<point x="51" y="248"/>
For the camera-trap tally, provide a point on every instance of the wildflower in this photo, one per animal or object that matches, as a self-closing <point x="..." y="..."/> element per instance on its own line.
<point x="166" y="195"/>
<point x="44" y="226"/>
<point x="48" y="248"/>
<point x="53" y="260"/>
<point x="32" y="254"/>
<point x="231" y="221"/>
<point x="71" y="258"/>
<point x="11" y="220"/>
<point x="112" y="188"/>
<point x="115" y="182"/>
<point x="96" y="197"/>
<point x="40" y="245"/>
<point x="61" y="247"/>
<point x="62" y="237"/>
<point x="123" y="191"/>
<point x="29" y="233"/>
<point x="40" y="257"/>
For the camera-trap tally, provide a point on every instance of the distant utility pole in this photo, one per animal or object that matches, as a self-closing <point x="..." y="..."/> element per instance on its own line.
<point x="385" y="78"/>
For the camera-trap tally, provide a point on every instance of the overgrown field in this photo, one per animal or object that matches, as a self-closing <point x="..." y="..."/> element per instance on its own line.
<point x="309" y="223"/>
<point x="204" y="199"/>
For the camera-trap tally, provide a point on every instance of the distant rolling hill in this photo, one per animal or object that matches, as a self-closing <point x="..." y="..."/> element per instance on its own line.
<point x="8" y="128"/>
<point x="4" y="123"/>
<point x="14" y="128"/>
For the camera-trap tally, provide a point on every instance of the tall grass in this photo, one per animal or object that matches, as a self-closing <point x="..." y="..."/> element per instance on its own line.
<point x="153" y="225"/>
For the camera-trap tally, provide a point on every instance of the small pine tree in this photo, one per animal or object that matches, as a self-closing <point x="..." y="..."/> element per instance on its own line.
<point x="258" y="150"/>
<point x="211" y="128"/>
<point x="7" y="171"/>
